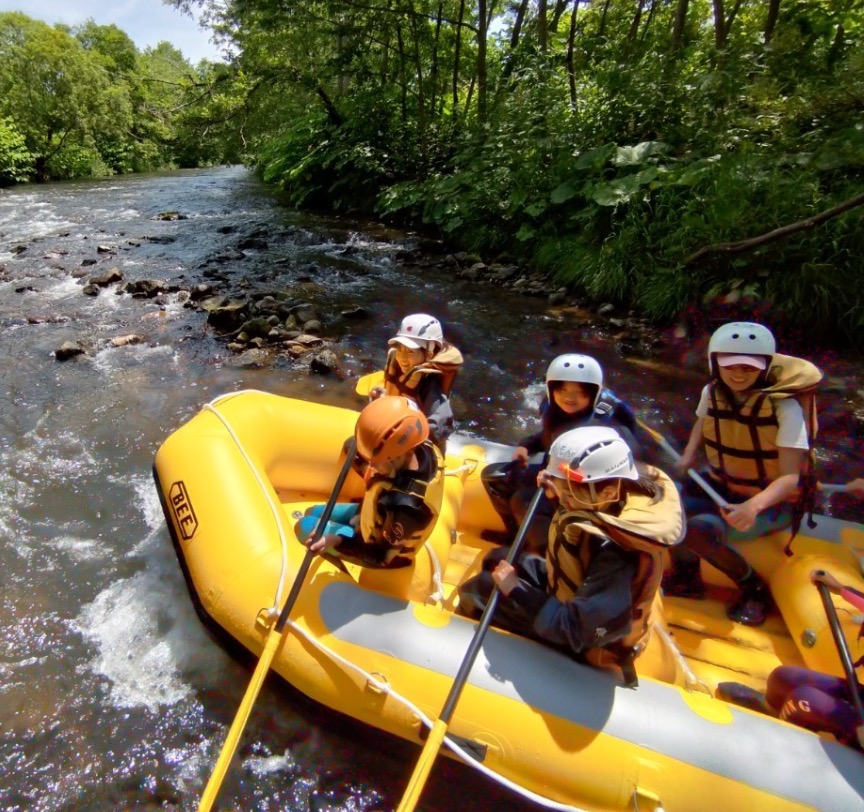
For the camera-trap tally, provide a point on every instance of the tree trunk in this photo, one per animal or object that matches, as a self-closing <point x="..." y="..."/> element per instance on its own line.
<point x="457" y="52"/>
<point x="571" y="58"/>
<point x="601" y="29"/>
<point x="771" y="20"/>
<point x="679" y="23"/>
<point x="482" y="29"/>
<point x="635" y="22"/>
<point x="741" y="246"/>
<point x="542" y="31"/>
<point x="719" y="24"/>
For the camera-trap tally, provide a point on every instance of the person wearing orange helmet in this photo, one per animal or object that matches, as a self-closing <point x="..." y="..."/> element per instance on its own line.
<point x="421" y="366"/>
<point x="404" y="475"/>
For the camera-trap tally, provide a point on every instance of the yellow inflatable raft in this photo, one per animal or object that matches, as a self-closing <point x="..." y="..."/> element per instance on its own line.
<point x="384" y="647"/>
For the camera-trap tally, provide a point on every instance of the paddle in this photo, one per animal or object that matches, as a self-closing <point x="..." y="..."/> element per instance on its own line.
<point x="704" y="484"/>
<point x="436" y="735"/>
<point x="843" y="651"/>
<point x="368" y="382"/>
<point x="274" y="638"/>
<point x="694" y="475"/>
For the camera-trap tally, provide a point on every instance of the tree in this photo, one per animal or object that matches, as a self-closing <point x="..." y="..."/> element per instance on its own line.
<point x="60" y="95"/>
<point x="16" y="162"/>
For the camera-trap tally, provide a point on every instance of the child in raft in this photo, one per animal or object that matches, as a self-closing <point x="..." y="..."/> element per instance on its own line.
<point x="574" y="397"/>
<point x="421" y="366"/>
<point x="591" y="593"/>
<point x="819" y="702"/>
<point x="756" y="437"/>
<point x="404" y="475"/>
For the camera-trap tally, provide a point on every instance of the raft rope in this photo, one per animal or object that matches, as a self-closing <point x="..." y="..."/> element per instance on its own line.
<point x="385" y="688"/>
<point x="691" y="681"/>
<point x="274" y="508"/>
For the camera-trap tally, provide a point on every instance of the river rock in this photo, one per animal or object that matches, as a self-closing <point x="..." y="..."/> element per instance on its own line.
<point x="169" y="216"/>
<point x="252" y="243"/>
<point x="123" y="341"/>
<point x="104" y="249"/>
<point x="224" y="312"/>
<point x="146" y="288"/>
<point x="108" y="278"/>
<point x="88" y="261"/>
<point x="68" y="350"/>
<point x="201" y="291"/>
<point x="358" y="312"/>
<point x="324" y="362"/>
<point x="90" y="290"/>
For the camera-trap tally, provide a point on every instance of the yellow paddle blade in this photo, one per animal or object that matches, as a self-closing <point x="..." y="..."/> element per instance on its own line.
<point x="239" y="723"/>
<point x="423" y="767"/>
<point x="368" y="382"/>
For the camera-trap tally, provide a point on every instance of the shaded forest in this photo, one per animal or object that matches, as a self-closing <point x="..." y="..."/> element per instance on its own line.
<point x="658" y="154"/>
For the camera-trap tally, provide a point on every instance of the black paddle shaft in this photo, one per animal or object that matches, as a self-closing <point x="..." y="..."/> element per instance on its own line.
<point x="485" y="621"/>
<point x="842" y="648"/>
<point x="303" y="569"/>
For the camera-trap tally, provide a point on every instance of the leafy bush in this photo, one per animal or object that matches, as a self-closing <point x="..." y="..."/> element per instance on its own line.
<point x="16" y="162"/>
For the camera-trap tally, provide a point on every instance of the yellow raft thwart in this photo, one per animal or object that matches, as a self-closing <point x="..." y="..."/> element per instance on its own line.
<point x="384" y="646"/>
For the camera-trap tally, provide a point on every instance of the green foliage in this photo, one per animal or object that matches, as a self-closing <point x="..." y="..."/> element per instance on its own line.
<point x="87" y="103"/>
<point x="16" y="163"/>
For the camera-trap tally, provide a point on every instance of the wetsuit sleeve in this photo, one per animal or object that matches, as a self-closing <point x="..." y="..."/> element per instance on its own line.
<point x="600" y="612"/>
<point x="533" y="442"/>
<point x="435" y="404"/>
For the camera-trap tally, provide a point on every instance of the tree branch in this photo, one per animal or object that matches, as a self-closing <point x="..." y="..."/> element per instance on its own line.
<point x="741" y="246"/>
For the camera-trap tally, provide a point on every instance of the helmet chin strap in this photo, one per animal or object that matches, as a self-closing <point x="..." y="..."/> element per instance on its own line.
<point x="596" y="501"/>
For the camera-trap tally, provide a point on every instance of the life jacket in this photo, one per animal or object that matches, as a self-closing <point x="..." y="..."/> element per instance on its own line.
<point x="644" y="527"/>
<point x="741" y="438"/>
<point x="609" y="410"/>
<point x="445" y="364"/>
<point x="384" y="495"/>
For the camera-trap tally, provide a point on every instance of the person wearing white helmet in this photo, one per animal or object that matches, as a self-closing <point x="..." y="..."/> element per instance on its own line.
<point x="574" y="397"/>
<point x="421" y="366"/>
<point x="757" y="441"/>
<point x="591" y="594"/>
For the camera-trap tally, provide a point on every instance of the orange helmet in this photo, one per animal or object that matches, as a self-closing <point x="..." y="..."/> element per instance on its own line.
<point x="388" y="428"/>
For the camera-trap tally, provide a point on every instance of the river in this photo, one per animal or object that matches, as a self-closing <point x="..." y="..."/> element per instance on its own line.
<point x="112" y="694"/>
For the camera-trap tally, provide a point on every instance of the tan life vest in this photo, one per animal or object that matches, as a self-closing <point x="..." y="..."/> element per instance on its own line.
<point x="374" y="525"/>
<point x="446" y="363"/>
<point x="642" y="526"/>
<point x="741" y="438"/>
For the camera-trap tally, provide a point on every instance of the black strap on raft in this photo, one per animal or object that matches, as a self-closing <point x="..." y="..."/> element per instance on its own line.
<point x="628" y="669"/>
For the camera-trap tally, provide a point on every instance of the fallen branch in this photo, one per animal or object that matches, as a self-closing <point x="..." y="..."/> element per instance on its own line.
<point x="777" y="234"/>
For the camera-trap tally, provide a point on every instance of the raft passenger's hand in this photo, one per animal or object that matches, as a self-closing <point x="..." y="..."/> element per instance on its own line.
<point x="855" y="487"/>
<point x="520" y="455"/>
<point x="742" y="517"/>
<point x="376" y="392"/>
<point x="324" y="544"/>
<point x="505" y="576"/>
<point x="684" y="462"/>
<point x="545" y="480"/>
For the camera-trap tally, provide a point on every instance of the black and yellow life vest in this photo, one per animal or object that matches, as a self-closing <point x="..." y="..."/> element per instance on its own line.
<point x="386" y="494"/>
<point x="644" y="527"/>
<point x="741" y="437"/>
<point x="445" y="364"/>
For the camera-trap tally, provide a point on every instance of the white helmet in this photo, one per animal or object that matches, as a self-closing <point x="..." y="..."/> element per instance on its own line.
<point x="590" y="454"/>
<point x="417" y="330"/>
<point x="742" y="338"/>
<point x="577" y="368"/>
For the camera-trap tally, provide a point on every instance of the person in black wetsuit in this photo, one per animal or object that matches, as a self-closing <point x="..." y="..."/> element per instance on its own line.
<point x="574" y="397"/>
